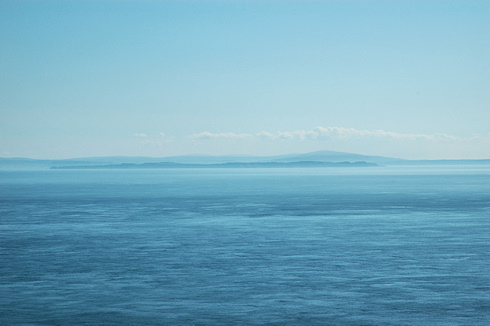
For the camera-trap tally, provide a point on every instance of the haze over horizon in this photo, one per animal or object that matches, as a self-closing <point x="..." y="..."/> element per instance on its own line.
<point x="405" y="79"/>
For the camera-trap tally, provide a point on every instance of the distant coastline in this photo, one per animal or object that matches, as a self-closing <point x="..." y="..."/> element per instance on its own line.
<point x="172" y="165"/>
<point x="319" y="159"/>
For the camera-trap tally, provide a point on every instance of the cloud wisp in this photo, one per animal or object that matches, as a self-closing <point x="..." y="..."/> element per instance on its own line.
<point x="155" y="140"/>
<point x="140" y="135"/>
<point x="227" y="135"/>
<point x="323" y="133"/>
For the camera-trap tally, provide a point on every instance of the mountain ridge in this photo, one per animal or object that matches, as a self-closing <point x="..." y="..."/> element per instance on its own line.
<point x="171" y="165"/>
<point x="324" y="156"/>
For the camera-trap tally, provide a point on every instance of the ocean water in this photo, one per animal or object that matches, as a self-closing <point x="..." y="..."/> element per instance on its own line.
<point x="352" y="246"/>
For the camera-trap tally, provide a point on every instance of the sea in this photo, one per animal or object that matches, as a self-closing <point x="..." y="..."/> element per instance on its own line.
<point x="258" y="246"/>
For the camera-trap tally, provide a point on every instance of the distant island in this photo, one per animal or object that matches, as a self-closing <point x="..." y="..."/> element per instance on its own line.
<point x="319" y="159"/>
<point x="172" y="165"/>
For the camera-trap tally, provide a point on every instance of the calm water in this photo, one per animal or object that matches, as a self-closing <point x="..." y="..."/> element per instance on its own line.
<point x="379" y="246"/>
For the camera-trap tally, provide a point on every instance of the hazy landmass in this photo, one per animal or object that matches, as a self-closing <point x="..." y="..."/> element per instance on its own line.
<point x="172" y="165"/>
<point x="313" y="159"/>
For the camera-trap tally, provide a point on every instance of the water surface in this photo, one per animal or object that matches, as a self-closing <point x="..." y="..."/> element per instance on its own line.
<point x="367" y="246"/>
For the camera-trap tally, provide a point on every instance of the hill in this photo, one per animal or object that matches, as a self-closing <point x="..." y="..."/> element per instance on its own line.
<point x="293" y="160"/>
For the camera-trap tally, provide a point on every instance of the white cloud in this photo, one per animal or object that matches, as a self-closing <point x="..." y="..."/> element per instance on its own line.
<point x="210" y="135"/>
<point x="158" y="140"/>
<point x="323" y="133"/>
<point x="140" y="135"/>
<point x="346" y="133"/>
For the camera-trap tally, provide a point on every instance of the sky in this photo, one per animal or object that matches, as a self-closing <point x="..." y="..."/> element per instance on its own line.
<point x="407" y="79"/>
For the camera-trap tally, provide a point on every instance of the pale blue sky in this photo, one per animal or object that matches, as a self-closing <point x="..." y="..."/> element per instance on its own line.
<point x="157" y="78"/>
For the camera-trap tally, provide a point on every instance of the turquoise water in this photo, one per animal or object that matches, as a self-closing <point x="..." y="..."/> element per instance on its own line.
<point x="370" y="246"/>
